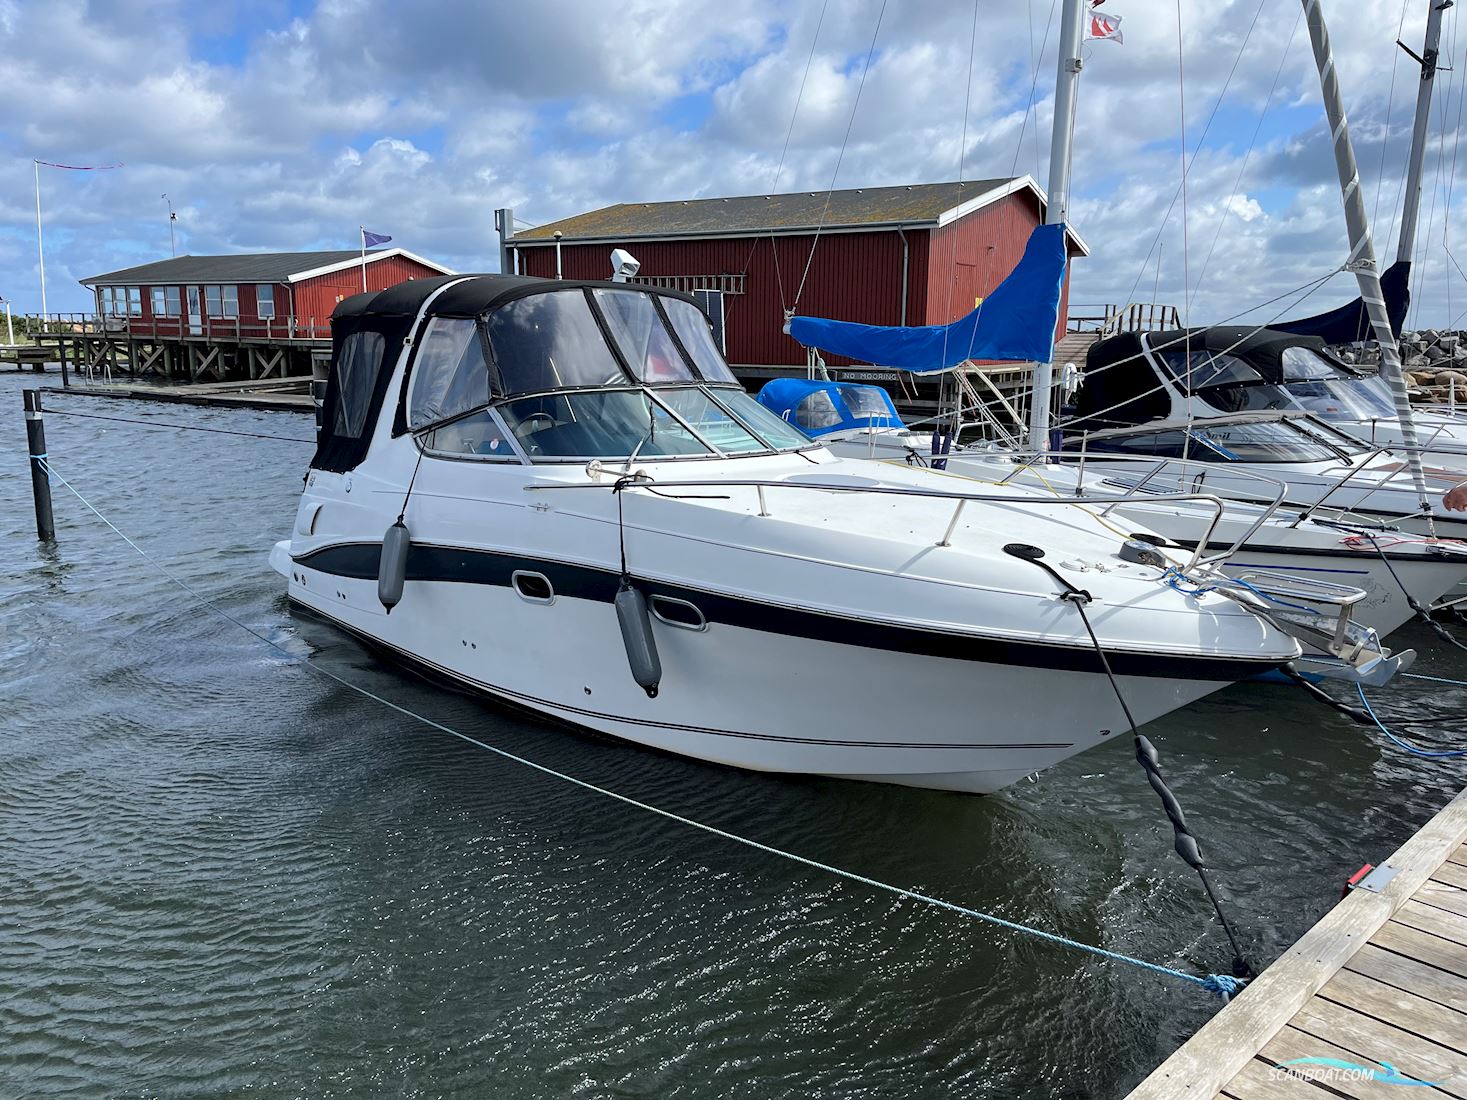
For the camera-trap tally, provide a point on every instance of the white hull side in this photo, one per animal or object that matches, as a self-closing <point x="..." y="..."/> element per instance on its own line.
<point x="753" y="699"/>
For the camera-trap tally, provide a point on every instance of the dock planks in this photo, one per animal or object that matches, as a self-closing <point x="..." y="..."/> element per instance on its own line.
<point x="1382" y="978"/>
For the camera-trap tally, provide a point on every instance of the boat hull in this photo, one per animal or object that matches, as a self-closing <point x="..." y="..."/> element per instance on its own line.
<point x="760" y="699"/>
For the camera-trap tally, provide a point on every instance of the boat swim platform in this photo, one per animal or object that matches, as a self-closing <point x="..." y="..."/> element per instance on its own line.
<point x="1380" y="981"/>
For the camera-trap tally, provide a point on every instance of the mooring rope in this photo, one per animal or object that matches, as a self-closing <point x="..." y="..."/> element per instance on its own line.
<point x="183" y="427"/>
<point x="1437" y="754"/>
<point x="1221" y="985"/>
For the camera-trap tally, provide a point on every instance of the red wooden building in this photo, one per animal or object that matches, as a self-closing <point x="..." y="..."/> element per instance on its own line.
<point x="273" y="294"/>
<point x="916" y="255"/>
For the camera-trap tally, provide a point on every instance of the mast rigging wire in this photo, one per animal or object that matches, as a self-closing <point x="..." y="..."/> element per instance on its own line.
<point x="1247" y="155"/>
<point x="1145" y="262"/>
<point x="779" y="169"/>
<point x="850" y="122"/>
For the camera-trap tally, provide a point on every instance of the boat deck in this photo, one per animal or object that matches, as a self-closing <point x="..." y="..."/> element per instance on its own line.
<point x="1381" y="979"/>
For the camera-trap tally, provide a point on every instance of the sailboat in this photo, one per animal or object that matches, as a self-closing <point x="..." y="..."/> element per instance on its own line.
<point x="1016" y="322"/>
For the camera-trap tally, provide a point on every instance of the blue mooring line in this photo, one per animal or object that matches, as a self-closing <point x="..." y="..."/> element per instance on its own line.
<point x="1222" y="985"/>
<point x="1412" y="749"/>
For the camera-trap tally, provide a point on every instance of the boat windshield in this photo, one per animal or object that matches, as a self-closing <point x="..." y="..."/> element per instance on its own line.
<point x="666" y="422"/>
<point x="1310" y="383"/>
<point x="583" y="373"/>
<point x="1266" y="441"/>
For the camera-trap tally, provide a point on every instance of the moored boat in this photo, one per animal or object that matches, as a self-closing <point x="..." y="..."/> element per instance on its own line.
<point x="716" y="584"/>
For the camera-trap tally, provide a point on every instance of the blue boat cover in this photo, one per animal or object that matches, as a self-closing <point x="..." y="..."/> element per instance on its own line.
<point x="1016" y="322"/>
<point x="819" y="408"/>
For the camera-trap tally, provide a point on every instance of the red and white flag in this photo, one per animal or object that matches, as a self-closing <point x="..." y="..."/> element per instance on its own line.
<point x="1103" y="26"/>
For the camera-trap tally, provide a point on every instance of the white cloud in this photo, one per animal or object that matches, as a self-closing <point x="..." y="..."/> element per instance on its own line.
<point x="420" y="120"/>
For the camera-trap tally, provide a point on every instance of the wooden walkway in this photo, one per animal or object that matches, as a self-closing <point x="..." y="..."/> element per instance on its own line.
<point x="1382" y="978"/>
<point x="287" y="394"/>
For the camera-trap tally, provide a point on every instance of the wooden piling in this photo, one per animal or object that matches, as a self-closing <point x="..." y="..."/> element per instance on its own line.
<point x="35" y="436"/>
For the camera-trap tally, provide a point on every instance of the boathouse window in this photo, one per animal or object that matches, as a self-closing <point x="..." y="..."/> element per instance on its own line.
<point x="691" y="325"/>
<point x="222" y="301"/>
<point x="134" y="301"/>
<point x="165" y="301"/>
<point x="356" y="379"/>
<point x="642" y="337"/>
<point x="550" y="341"/>
<point x="264" y="301"/>
<point x="450" y="375"/>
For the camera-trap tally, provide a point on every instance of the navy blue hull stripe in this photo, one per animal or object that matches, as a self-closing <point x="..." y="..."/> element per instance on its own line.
<point x="445" y="564"/>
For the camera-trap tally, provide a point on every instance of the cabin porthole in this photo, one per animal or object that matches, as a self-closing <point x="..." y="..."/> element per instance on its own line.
<point x="679" y="613"/>
<point x="535" y="587"/>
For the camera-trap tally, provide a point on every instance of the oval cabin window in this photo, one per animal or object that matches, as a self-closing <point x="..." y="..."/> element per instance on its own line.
<point x="678" y="613"/>
<point x="535" y="587"/>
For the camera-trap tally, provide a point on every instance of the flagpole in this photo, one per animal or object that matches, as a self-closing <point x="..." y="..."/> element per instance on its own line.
<point x="363" y="231"/>
<point x="40" y="247"/>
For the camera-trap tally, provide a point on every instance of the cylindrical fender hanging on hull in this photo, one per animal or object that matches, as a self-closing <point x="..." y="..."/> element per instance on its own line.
<point x="636" y="635"/>
<point x="392" y="566"/>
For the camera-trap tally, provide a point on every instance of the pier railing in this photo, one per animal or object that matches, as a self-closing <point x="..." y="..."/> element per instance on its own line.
<point x="219" y="328"/>
<point x="211" y="329"/>
<point x="1107" y="319"/>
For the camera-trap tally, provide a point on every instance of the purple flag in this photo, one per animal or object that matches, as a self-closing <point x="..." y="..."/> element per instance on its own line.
<point x="371" y="240"/>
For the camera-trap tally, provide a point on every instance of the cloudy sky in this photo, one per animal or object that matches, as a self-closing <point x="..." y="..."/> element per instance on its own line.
<point x="284" y="124"/>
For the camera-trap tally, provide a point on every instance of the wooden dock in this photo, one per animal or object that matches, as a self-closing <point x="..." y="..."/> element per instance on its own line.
<point x="1380" y="980"/>
<point x="288" y="394"/>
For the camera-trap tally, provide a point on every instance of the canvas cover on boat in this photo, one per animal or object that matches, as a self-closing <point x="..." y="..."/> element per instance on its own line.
<point x="367" y="331"/>
<point x="1120" y="386"/>
<point x="1014" y="323"/>
<point x="1350" y="323"/>
<point x="820" y="408"/>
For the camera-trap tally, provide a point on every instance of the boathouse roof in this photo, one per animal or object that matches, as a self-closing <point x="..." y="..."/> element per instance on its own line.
<point x="250" y="267"/>
<point x="910" y="205"/>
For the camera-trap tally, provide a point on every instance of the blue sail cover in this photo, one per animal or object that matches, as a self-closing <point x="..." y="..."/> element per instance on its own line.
<point x="1016" y="322"/>
<point x="1350" y="323"/>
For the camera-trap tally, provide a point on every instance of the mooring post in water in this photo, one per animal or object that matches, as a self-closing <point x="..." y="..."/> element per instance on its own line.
<point x="35" y="437"/>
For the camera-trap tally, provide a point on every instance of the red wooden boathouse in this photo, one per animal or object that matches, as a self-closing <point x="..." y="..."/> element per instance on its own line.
<point x="284" y="294"/>
<point x="918" y="255"/>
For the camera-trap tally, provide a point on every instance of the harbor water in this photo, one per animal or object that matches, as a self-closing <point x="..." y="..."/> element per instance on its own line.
<point x="224" y="874"/>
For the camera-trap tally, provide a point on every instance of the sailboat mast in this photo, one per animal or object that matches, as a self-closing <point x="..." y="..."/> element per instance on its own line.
<point x="1362" y="250"/>
<point x="1061" y="143"/>
<point x="1417" y="157"/>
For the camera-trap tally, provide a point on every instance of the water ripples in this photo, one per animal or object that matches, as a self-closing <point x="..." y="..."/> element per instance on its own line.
<point x="224" y="874"/>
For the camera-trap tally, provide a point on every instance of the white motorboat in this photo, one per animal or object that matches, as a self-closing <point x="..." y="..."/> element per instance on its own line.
<point x="556" y="494"/>
<point x="1226" y="369"/>
<point x="1124" y="407"/>
<point x="859" y="421"/>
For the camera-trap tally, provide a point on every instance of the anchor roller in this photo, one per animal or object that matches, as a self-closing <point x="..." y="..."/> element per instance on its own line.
<point x="636" y="635"/>
<point x="392" y="565"/>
